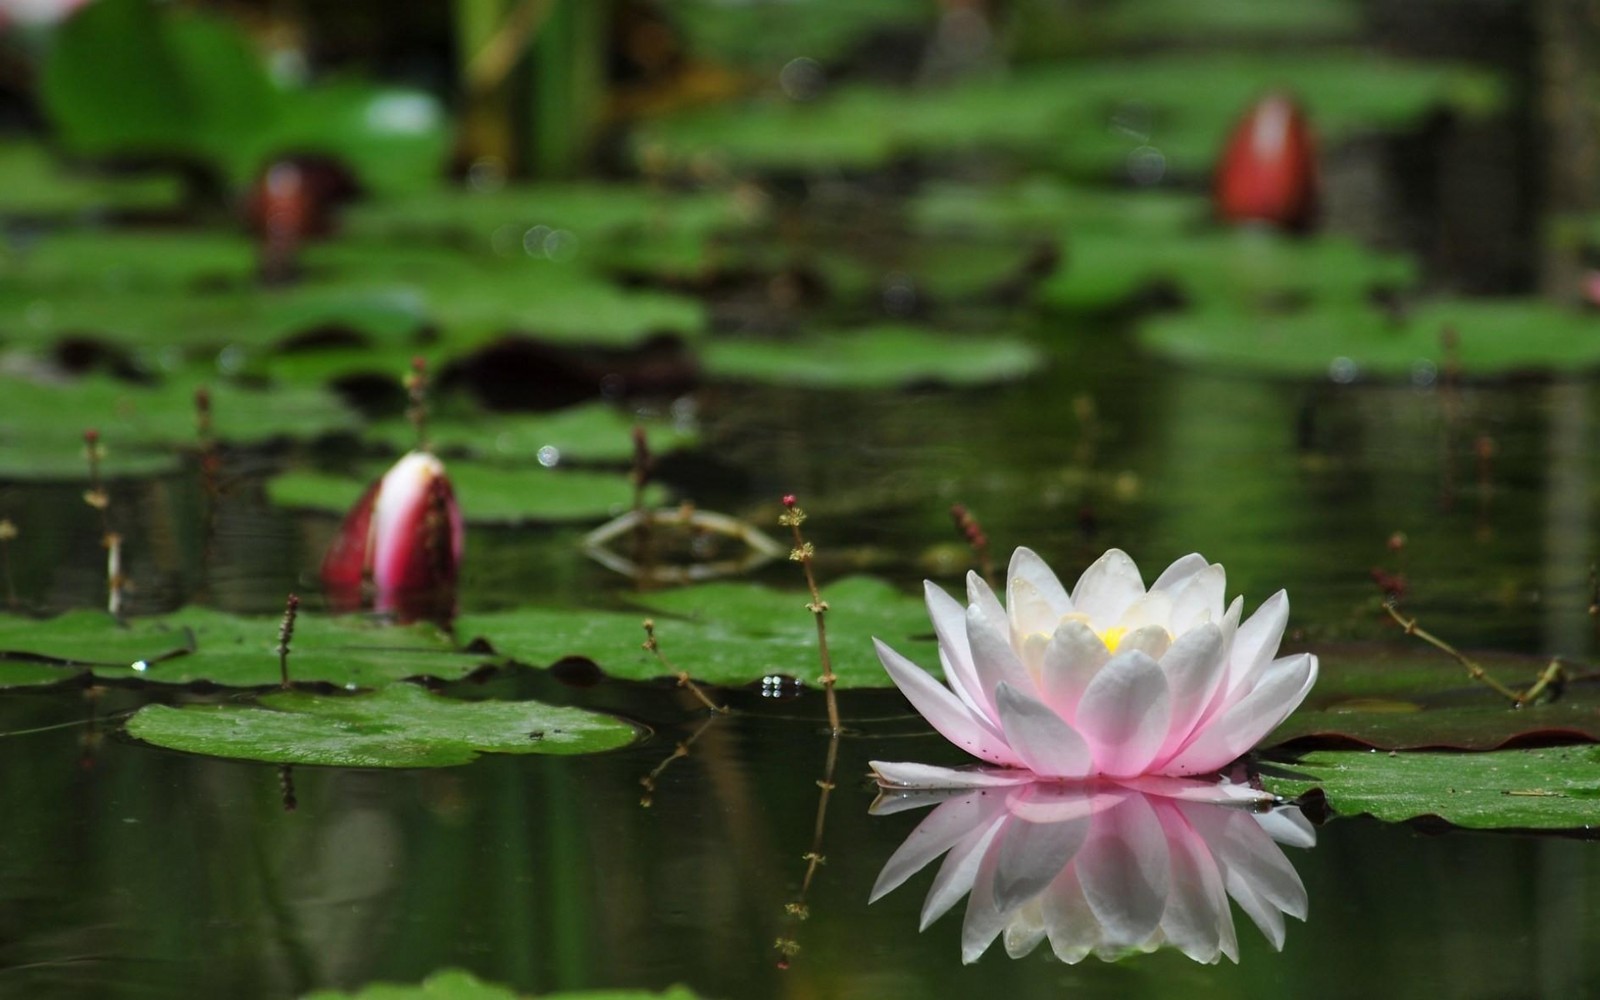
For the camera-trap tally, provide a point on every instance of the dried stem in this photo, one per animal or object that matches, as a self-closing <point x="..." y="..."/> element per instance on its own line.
<point x="291" y="802"/>
<point x="797" y="910"/>
<point x="1552" y="674"/>
<point x="684" y="681"/>
<point x="97" y="497"/>
<point x="803" y="553"/>
<point x="972" y="531"/>
<point x="291" y="610"/>
<point x="416" y="383"/>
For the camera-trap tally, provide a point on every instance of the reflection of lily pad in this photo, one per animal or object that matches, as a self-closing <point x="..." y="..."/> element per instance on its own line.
<point x="593" y="432"/>
<point x="41" y="426"/>
<point x="489" y="494"/>
<point x="199" y="644"/>
<point x="454" y="984"/>
<point x="1556" y="788"/>
<point x="722" y="633"/>
<point x="1491" y="336"/>
<point x="873" y="357"/>
<point x="400" y="725"/>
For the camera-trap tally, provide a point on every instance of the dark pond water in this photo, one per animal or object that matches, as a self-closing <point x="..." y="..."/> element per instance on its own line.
<point x="130" y="871"/>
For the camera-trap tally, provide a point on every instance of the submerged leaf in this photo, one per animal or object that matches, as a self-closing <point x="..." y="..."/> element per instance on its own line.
<point x="400" y="725"/>
<point x="1556" y="788"/>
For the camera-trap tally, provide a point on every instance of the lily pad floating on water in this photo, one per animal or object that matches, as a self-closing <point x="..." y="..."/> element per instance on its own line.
<point x="135" y="420"/>
<point x="400" y="725"/>
<point x="1179" y="106"/>
<point x="1412" y="698"/>
<point x="1492" y="337"/>
<point x="588" y="433"/>
<point x="489" y="494"/>
<point x="110" y="261"/>
<point x="34" y="185"/>
<point x="1554" y="788"/>
<point x="720" y="633"/>
<point x="202" y="645"/>
<point x="455" y="984"/>
<point x="1230" y="273"/>
<point x="872" y="357"/>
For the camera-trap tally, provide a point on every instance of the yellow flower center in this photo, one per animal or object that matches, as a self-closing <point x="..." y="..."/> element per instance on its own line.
<point x="1112" y="637"/>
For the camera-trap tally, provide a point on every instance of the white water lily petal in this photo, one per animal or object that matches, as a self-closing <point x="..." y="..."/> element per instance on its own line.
<point x="1256" y="642"/>
<point x="1026" y="565"/>
<point x="1071" y="660"/>
<point x="1200" y="600"/>
<point x="1179" y="572"/>
<point x="1149" y="610"/>
<point x="1025" y="931"/>
<point x="950" y="626"/>
<point x="1194" y="668"/>
<point x="1197" y="920"/>
<point x="931" y="777"/>
<point x="1047" y="745"/>
<point x="1125" y="712"/>
<point x="943" y="710"/>
<point x="1151" y="640"/>
<point x="993" y="656"/>
<point x="1031" y="855"/>
<point x="1242" y="725"/>
<point x="1107" y="589"/>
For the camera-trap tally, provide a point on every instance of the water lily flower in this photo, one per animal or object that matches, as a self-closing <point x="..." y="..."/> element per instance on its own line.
<point x="1102" y="869"/>
<point x="1268" y="170"/>
<point x="405" y="537"/>
<point x="1112" y="680"/>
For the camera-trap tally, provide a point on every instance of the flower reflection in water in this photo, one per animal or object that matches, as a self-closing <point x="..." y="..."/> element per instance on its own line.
<point x="1103" y="869"/>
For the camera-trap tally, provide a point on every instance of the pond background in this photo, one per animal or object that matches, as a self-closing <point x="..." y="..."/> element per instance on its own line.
<point x="129" y="870"/>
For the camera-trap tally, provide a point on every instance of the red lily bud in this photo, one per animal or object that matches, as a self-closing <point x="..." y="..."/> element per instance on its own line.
<point x="405" y="535"/>
<point x="1268" y="171"/>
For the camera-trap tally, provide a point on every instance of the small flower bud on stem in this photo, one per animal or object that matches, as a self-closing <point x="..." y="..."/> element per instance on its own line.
<point x="803" y="553"/>
<point x="291" y="610"/>
<point x="972" y="531"/>
<point x="644" y="464"/>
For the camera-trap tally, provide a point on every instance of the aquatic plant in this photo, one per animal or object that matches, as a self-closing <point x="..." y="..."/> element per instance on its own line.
<point x="1268" y="171"/>
<point x="405" y="536"/>
<point x="1112" y="680"/>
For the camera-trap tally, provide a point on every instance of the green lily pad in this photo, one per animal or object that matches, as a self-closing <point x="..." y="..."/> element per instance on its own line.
<point x="1229" y="21"/>
<point x="200" y="644"/>
<point x="722" y="633"/>
<point x="1410" y="697"/>
<point x="112" y="261"/>
<point x="1179" y="105"/>
<point x="872" y="357"/>
<point x="36" y="442"/>
<point x="1225" y="271"/>
<point x="1492" y="336"/>
<point x="401" y="725"/>
<point x="1555" y="788"/>
<point x="765" y="36"/>
<point x="488" y="494"/>
<point x="1047" y="206"/>
<point x="592" y="432"/>
<point x="34" y="184"/>
<point x="454" y="984"/>
<point x="629" y="228"/>
<point x="395" y="140"/>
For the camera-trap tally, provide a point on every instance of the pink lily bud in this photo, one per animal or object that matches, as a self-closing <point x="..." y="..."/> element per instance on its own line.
<point x="405" y="536"/>
<point x="1268" y="171"/>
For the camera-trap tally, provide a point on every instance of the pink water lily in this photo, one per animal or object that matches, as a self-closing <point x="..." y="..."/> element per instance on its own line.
<point x="1111" y="680"/>
<point x="403" y="537"/>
